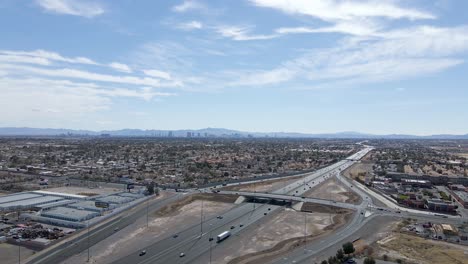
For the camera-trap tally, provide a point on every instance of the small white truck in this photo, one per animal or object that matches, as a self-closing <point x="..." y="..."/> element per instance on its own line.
<point x="223" y="236"/>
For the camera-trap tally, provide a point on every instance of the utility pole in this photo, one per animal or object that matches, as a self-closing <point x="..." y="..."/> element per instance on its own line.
<point x="201" y="219"/>
<point x="305" y="231"/>
<point x="88" y="241"/>
<point x="211" y="239"/>
<point x="19" y="253"/>
<point x="147" y="212"/>
<point x="255" y="193"/>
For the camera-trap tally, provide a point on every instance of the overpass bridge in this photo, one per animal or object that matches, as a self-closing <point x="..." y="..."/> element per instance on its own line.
<point x="291" y="198"/>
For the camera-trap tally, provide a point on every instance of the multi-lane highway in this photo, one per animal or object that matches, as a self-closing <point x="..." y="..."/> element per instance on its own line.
<point x="194" y="241"/>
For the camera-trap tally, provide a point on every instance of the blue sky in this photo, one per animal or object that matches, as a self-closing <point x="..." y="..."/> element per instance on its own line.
<point x="377" y="66"/>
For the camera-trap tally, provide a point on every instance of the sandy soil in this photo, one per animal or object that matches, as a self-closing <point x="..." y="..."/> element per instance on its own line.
<point x="358" y="170"/>
<point x="334" y="190"/>
<point x="265" y="186"/>
<point x="418" y="250"/>
<point x="9" y="253"/>
<point x="409" y="170"/>
<point x="279" y="234"/>
<point x="162" y="224"/>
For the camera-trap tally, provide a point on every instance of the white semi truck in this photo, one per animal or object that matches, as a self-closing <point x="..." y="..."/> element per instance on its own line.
<point x="223" y="236"/>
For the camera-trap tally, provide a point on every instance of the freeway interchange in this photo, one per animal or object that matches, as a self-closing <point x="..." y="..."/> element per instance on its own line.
<point x="193" y="244"/>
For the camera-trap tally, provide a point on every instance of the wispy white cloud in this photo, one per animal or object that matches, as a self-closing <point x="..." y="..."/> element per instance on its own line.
<point x="241" y="33"/>
<point x="398" y="54"/>
<point x="31" y="98"/>
<point x="41" y="57"/>
<point x="187" y="5"/>
<point x="90" y="76"/>
<point x="355" y="28"/>
<point x="190" y="25"/>
<point x="158" y="74"/>
<point x="335" y="10"/>
<point x="84" y="8"/>
<point x="120" y="67"/>
<point x="359" y="18"/>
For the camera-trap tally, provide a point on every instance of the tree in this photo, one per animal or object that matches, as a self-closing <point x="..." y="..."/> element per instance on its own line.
<point x="369" y="260"/>
<point x="339" y="254"/>
<point x="150" y="188"/>
<point x="324" y="262"/>
<point x="348" y="248"/>
<point x="332" y="260"/>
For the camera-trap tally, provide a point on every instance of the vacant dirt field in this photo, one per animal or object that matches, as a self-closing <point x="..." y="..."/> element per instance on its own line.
<point x="418" y="250"/>
<point x="358" y="170"/>
<point x="9" y="253"/>
<point x="334" y="190"/>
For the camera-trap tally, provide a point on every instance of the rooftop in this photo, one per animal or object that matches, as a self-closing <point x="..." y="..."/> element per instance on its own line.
<point x="72" y="212"/>
<point x="62" y="194"/>
<point x="31" y="202"/>
<point x="17" y="197"/>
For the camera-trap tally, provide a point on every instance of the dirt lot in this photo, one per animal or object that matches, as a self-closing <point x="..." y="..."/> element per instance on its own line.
<point x="358" y="170"/>
<point x="265" y="186"/>
<point x="9" y="253"/>
<point x="334" y="190"/>
<point x="279" y="234"/>
<point x="184" y="213"/>
<point x="418" y="250"/>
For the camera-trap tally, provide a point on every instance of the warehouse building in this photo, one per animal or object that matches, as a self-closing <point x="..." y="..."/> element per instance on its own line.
<point x="63" y="195"/>
<point x="28" y="203"/>
<point x="52" y="221"/>
<point x="114" y="199"/>
<point x="69" y="214"/>
<point x="131" y="195"/>
<point x="89" y="206"/>
<point x="17" y="197"/>
<point x="52" y="204"/>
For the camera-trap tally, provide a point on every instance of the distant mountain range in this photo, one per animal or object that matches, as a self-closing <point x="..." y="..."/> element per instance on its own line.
<point x="205" y="132"/>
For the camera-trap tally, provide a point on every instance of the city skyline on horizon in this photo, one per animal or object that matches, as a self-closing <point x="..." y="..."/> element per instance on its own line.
<point x="386" y="67"/>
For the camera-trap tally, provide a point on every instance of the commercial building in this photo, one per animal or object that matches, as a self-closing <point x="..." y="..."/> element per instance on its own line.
<point x="28" y="203"/>
<point x="63" y="195"/>
<point x="89" y="206"/>
<point x="17" y="197"/>
<point x="114" y="199"/>
<point x="416" y="183"/>
<point x="69" y="214"/>
<point x="52" y="204"/>
<point x="440" y="206"/>
<point x="131" y="195"/>
<point x="462" y="197"/>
